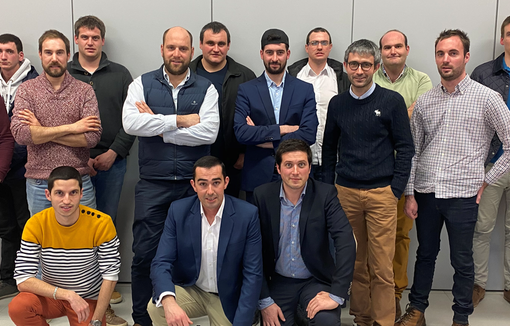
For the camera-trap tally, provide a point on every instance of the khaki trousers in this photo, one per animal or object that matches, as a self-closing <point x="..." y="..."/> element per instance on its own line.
<point x="372" y="215"/>
<point x="402" y="240"/>
<point x="196" y="303"/>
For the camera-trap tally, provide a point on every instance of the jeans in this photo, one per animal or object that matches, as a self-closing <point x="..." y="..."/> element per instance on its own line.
<point x="108" y="186"/>
<point x="37" y="200"/>
<point x="459" y="215"/>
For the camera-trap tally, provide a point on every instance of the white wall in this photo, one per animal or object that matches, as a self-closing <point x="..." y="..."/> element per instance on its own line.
<point x="135" y="28"/>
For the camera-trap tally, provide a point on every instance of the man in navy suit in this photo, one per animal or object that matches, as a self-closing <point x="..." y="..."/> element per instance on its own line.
<point x="296" y="216"/>
<point x="270" y="109"/>
<point x="209" y="258"/>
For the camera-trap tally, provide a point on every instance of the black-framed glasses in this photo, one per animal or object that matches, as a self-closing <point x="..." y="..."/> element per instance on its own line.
<point x="365" y="66"/>
<point x="315" y="43"/>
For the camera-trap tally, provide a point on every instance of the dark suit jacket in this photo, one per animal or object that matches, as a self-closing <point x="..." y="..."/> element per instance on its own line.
<point x="321" y="214"/>
<point x="239" y="260"/>
<point x="253" y="100"/>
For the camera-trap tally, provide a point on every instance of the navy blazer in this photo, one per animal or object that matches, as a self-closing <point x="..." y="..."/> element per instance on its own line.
<point x="253" y="100"/>
<point x="239" y="257"/>
<point x="321" y="213"/>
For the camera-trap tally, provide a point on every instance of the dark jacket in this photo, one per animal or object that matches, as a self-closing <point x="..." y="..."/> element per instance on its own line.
<point x="235" y="76"/>
<point x="492" y="75"/>
<point x="341" y="77"/>
<point x="110" y="83"/>
<point x="167" y="161"/>
<point x="6" y="142"/>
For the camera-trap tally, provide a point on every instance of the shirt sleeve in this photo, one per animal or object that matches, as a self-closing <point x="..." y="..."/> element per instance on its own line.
<point x="418" y="138"/>
<point x="90" y="108"/>
<point x="203" y="133"/>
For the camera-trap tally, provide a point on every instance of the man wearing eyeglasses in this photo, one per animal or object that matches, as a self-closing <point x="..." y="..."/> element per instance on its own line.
<point x="368" y="129"/>
<point x="394" y="74"/>
<point x="328" y="79"/>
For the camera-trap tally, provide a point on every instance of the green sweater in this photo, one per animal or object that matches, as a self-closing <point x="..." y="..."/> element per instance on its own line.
<point x="410" y="85"/>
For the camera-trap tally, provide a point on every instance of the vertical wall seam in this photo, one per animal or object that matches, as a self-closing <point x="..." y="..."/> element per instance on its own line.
<point x="212" y="10"/>
<point x="72" y="28"/>
<point x="495" y="31"/>
<point x="352" y="22"/>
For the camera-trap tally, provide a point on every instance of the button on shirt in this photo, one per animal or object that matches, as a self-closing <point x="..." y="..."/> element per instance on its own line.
<point x="452" y="134"/>
<point x="325" y="87"/>
<point x="276" y="93"/>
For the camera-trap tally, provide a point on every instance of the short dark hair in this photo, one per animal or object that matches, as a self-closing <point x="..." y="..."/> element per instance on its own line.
<point x="7" y="38"/>
<point x="209" y="162"/>
<point x="293" y="145"/>
<point x="392" y="30"/>
<point x="54" y="34"/>
<point x="318" y="30"/>
<point x="189" y="33"/>
<point x="503" y="25"/>
<point x="64" y="173"/>
<point x="90" y="22"/>
<point x="364" y="47"/>
<point x="447" y="33"/>
<point x="216" y="28"/>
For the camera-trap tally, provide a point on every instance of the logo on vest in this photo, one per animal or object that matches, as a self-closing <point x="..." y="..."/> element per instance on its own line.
<point x="377" y="113"/>
<point x="194" y="102"/>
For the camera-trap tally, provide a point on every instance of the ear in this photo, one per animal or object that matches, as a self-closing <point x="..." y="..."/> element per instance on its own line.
<point x="192" y="182"/>
<point x="262" y="54"/>
<point x="377" y="66"/>
<point x="226" y="182"/>
<point x="21" y="56"/>
<point x="192" y="52"/>
<point x="278" y="169"/>
<point x="47" y="194"/>
<point x="75" y="39"/>
<point x="288" y="54"/>
<point x="162" y="50"/>
<point x="466" y="57"/>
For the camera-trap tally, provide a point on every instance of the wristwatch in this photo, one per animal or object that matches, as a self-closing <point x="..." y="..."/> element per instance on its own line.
<point x="95" y="322"/>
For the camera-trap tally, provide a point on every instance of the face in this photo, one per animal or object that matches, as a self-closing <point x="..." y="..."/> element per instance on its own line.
<point x="54" y="57"/>
<point x="210" y="186"/>
<point x="360" y="78"/>
<point x="177" y="51"/>
<point x="505" y="40"/>
<point x="275" y="58"/>
<point x="65" y="198"/>
<point x="318" y="52"/>
<point x="215" y="47"/>
<point x="10" y="57"/>
<point x="294" y="169"/>
<point x="394" y="52"/>
<point x="89" y="41"/>
<point x="450" y="58"/>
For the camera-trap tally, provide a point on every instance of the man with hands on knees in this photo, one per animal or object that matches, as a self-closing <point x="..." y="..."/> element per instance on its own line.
<point x="209" y="258"/>
<point x="77" y="249"/>
<point x="296" y="216"/>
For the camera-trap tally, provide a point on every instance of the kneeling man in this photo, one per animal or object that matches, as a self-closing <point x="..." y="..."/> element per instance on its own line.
<point x="209" y="258"/>
<point x="297" y="216"/>
<point x="77" y="250"/>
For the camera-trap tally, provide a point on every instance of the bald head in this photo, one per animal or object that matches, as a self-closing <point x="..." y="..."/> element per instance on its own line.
<point x="180" y="32"/>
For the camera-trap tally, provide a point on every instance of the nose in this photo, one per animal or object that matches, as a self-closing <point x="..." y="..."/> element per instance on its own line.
<point x="275" y="57"/>
<point x="216" y="48"/>
<point x="393" y="50"/>
<point x="210" y="190"/>
<point x="295" y="169"/>
<point x="54" y="56"/>
<point x="359" y="70"/>
<point x="3" y="55"/>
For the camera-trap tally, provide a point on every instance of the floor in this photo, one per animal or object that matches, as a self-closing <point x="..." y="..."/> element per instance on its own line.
<point x="492" y="311"/>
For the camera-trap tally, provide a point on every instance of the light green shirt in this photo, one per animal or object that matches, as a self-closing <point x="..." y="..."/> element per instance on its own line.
<point x="410" y="84"/>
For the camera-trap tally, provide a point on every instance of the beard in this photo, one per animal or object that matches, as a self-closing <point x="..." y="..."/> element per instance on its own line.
<point x="176" y="70"/>
<point x="452" y="75"/>
<point x="55" y="72"/>
<point x="277" y="70"/>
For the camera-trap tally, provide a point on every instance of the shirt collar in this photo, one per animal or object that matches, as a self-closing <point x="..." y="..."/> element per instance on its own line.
<point x="188" y="74"/>
<point x="387" y="77"/>
<point x="461" y="87"/>
<point x="282" y="192"/>
<point x="364" y="96"/>
<point x="309" y="71"/>
<point x="271" y="83"/>
<point x="219" y="214"/>
<point x="505" y="67"/>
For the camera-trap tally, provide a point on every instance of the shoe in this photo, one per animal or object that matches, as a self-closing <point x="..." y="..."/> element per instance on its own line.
<point x="478" y="294"/>
<point x="506" y="295"/>
<point x="116" y="297"/>
<point x="457" y="324"/>
<point x="112" y="319"/>
<point x="412" y="317"/>
<point x="7" y="289"/>
<point x="398" y="310"/>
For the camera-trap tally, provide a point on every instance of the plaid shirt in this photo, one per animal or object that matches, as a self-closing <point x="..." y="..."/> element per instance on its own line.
<point x="452" y="134"/>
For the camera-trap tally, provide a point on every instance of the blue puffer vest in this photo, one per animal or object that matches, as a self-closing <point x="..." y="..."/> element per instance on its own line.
<point x="166" y="161"/>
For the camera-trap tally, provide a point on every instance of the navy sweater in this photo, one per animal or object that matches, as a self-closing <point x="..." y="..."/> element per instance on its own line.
<point x="372" y="138"/>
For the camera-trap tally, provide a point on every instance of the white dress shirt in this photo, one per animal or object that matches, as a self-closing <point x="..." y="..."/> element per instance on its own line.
<point x="325" y="87"/>
<point x="149" y="125"/>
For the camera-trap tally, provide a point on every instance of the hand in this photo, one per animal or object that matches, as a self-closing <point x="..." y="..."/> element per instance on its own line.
<point x="266" y="145"/>
<point x="143" y="107"/>
<point x="480" y="191"/>
<point x="174" y="314"/>
<point x="272" y="315"/>
<point x="104" y="162"/>
<point x="87" y="124"/>
<point x="28" y="117"/>
<point x="92" y="171"/>
<point x="187" y="120"/>
<point x="249" y="121"/>
<point x="410" y="110"/>
<point x="240" y="162"/>
<point x="322" y="301"/>
<point x="80" y="307"/>
<point x="411" y="207"/>
<point x="286" y="129"/>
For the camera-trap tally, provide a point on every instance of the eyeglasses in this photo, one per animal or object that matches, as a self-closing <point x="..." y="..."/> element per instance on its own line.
<point x="315" y="43"/>
<point x="365" y="66"/>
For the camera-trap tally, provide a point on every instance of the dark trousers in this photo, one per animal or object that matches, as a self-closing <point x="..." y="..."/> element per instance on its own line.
<point x="288" y="292"/>
<point x="459" y="215"/>
<point x="13" y="216"/>
<point x="152" y="200"/>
